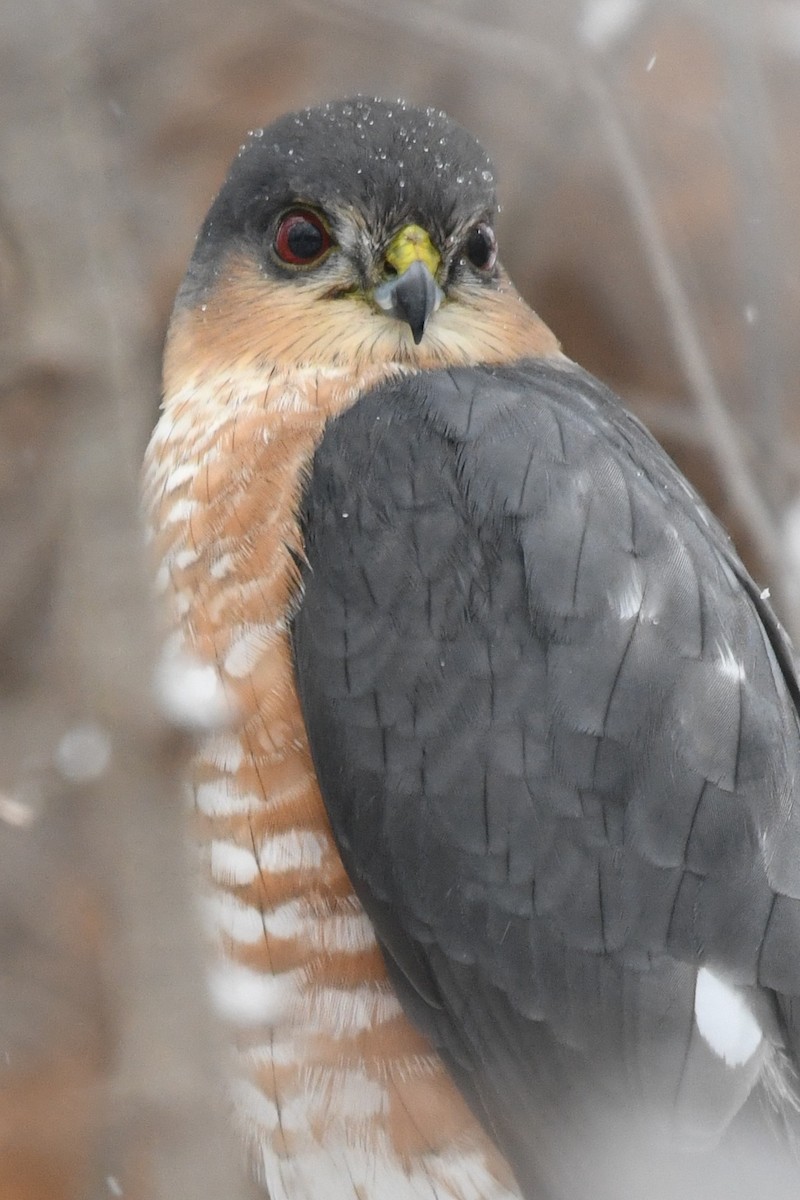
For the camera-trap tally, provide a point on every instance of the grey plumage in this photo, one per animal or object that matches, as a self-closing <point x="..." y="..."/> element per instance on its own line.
<point x="556" y="730"/>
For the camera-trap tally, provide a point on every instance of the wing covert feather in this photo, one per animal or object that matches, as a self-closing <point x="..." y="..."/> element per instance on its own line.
<point x="555" y="727"/>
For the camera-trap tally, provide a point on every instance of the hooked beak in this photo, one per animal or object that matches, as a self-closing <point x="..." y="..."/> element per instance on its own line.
<point x="413" y="294"/>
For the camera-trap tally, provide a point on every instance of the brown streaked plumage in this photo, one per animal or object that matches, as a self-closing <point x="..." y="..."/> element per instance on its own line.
<point x="338" y="1085"/>
<point x="236" y="477"/>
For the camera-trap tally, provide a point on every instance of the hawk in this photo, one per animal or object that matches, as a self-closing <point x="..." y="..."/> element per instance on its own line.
<point x="501" y="849"/>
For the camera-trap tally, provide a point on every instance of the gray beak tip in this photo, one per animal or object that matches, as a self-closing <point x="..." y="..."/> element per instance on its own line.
<point x="412" y="297"/>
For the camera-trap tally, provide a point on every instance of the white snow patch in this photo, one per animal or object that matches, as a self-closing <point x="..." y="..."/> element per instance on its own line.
<point x="629" y="601"/>
<point x="724" y="1020"/>
<point x="729" y="664"/>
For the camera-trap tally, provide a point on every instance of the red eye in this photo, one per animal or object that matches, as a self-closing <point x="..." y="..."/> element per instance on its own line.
<point x="302" y="238"/>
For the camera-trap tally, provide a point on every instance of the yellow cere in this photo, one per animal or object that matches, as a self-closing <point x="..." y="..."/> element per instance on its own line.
<point x="410" y="244"/>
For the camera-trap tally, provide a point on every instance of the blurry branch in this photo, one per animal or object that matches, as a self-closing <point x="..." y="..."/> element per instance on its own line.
<point x="724" y="441"/>
<point x="763" y="249"/>
<point x="723" y="438"/>
<point x="762" y="245"/>
<point x="668" y="417"/>
<point x="110" y="1064"/>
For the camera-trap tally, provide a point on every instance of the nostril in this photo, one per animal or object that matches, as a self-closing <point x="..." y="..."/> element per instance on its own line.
<point x="388" y="270"/>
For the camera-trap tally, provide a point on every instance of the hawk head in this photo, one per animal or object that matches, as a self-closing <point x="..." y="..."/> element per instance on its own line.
<point x="356" y="234"/>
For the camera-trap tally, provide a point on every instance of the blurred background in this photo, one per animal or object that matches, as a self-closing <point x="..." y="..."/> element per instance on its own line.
<point x="649" y="174"/>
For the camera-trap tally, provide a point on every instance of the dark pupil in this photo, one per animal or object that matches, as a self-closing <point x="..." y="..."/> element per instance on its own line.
<point x="304" y="239"/>
<point x="479" y="247"/>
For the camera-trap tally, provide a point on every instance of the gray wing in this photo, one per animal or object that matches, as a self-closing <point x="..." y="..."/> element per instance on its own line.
<point x="556" y="731"/>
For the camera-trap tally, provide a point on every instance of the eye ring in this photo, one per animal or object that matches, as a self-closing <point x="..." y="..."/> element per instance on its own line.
<point x="480" y="246"/>
<point x="302" y="238"/>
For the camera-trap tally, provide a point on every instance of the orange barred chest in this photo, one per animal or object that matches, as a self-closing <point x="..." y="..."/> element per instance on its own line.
<point x="331" y="1076"/>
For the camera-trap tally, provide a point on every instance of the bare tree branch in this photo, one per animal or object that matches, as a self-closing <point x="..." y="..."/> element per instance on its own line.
<point x="762" y="246"/>
<point x="723" y="439"/>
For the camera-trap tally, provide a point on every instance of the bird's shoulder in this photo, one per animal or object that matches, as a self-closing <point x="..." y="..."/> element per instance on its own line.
<point x="555" y="727"/>
<point x="506" y="554"/>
